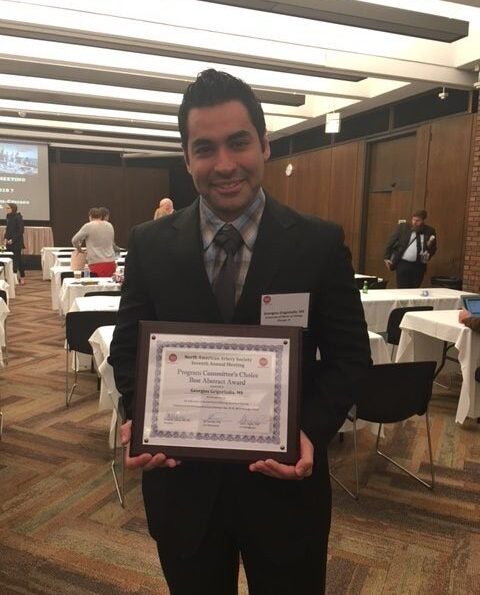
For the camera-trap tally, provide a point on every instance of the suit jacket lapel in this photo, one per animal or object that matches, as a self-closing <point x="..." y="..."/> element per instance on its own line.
<point x="269" y="254"/>
<point x="188" y="257"/>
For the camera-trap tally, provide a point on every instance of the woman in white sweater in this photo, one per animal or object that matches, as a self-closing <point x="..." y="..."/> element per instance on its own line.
<point x="98" y="235"/>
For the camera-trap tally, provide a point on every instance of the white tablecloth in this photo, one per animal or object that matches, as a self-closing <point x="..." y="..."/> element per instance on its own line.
<point x="422" y="339"/>
<point x="95" y="303"/>
<point x="4" y="312"/>
<point x="378" y="303"/>
<point x="73" y="288"/>
<point x="10" y="276"/>
<point x="100" y="342"/>
<point x="35" y="238"/>
<point x="5" y="287"/>
<point x="48" y="259"/>
<point x="56" y="284"/>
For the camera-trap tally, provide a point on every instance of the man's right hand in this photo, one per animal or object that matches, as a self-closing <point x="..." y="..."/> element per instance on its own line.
<point x="388" y="264"/>
<point x="144" y="461"/>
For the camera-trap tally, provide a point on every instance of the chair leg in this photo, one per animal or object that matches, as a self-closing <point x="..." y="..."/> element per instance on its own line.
<point x="1" y="424"/>
<point x="69" y="393"/>
<point x="353" y="494"/>
<point x="119" y="482"/>
<point x="431" y="485"/>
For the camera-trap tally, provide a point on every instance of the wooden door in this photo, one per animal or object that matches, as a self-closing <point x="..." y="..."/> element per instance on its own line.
<point x="390" y="189"/>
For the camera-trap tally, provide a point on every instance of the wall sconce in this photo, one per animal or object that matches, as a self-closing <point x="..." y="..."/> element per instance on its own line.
<point x="332" y="123"/>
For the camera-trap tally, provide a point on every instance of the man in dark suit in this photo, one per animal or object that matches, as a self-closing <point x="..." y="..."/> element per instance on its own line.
<point x="409" y="249"/>
<point x="203" y="515"/>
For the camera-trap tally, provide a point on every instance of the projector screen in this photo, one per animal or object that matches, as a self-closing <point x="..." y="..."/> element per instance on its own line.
<point x="24" y="179"/>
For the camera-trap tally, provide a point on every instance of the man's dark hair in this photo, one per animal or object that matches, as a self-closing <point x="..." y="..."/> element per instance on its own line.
<point x="13" y="206"/>
<point x="421" y="213"/>
<point x="213" y="87"/>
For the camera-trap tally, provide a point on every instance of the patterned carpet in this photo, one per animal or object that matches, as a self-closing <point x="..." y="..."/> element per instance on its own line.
<point x="63" y="531"/>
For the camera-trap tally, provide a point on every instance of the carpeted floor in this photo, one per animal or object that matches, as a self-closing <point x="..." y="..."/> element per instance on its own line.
<point x="63" y="531"/>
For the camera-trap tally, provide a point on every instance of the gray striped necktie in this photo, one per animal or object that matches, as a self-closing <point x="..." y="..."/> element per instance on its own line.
<point x="230" y="240"/>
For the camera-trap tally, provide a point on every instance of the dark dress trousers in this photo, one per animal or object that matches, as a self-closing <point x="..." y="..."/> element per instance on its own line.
<point x="409" y="274"/>
<point x="166" y="280"/>
<point x="14" y="231"/>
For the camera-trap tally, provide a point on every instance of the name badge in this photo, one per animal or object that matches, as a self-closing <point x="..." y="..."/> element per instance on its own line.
<point x="285" y="309"/>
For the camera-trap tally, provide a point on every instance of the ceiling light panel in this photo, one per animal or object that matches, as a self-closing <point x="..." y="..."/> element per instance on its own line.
<point x="59" y="109"/>
<point x="19" y="121"/>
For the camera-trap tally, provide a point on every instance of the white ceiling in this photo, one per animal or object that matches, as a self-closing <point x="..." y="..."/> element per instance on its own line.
<point x="110" y="73"/>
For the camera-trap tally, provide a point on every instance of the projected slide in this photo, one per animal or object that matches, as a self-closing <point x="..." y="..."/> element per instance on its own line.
<point x="24" y="179"/>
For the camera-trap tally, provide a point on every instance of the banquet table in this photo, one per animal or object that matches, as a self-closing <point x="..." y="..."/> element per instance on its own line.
<point x="378" y="303"/>
<point x="56" y="283"/>
<point x="100" y="342"/>
<point x="4" y="312"/>
<point x="10" y="276"/>
<point x="73" y="288"/>
<point x="49" y="254"/>
<point x="96" y="303"/>
<point x="35" y="238"/>
<point x="423" y="336"/>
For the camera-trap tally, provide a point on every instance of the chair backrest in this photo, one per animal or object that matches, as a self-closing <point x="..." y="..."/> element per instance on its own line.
<point x="394" y="392"/>
<point x="3" y="295"/>
<point x="79" y="326"/>
<point x="379" y="284"/>
<point x="360" y="281"/>
<point x="67" y="274"/>
<point x="394" y="320"/>
<point x="94" y="293"/>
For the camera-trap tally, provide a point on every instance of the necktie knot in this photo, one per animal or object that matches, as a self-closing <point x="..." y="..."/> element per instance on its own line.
<point x="229" y="239"/>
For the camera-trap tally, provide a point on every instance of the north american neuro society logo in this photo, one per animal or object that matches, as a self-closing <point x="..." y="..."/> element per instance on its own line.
<point x="172" y="358"/>
<point x="267" y="299"/>
<point x="263" y="362"/>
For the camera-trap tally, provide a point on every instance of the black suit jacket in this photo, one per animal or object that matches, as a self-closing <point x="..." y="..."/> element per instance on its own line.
<point x="400" y="239"/>
<point x="165" y="279"/>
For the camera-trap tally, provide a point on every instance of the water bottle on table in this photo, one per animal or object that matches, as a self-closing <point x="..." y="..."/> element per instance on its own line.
<point x="86" y="272"/>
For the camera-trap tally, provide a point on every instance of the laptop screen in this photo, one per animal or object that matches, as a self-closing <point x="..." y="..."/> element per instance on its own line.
<point x="472" y="304"/>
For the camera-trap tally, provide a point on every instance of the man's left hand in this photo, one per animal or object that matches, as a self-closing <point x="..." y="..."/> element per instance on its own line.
<point x="303" y="468"/>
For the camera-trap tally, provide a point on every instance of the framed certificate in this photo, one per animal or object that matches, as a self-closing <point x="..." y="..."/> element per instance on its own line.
<point x="217" y="392"/>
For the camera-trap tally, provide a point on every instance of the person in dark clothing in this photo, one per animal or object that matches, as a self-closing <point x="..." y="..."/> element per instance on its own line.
<point x="409" y="249"/>
<point x="204" y="514"/>
<point x="13" y="238"/>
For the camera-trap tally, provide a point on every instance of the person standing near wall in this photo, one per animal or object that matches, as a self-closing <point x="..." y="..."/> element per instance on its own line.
<point x="409" y="249"/>
<point x="14" y="238"/>
<point x="165" y="207"/>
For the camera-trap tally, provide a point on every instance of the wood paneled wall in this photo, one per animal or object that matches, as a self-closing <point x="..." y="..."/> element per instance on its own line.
<point x="130" y="193"/>
<point x="329" y="183"/>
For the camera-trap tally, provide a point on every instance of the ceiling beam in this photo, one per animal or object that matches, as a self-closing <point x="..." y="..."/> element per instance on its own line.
<point x="26" y="66"/>
<point x="364" y="15"/>
<point x="118" y="42"/>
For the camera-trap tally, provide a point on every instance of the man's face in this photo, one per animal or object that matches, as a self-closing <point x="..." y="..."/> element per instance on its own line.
<point x="8" y="209"/>
<point x="225" y="157"/>
<point x="417" y="223"/>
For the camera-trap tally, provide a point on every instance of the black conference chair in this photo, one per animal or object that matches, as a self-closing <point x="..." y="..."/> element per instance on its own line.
<point x="69" y="274"/>
<point x="393" y="393"/>
<point x="115" y="292"/>
<point x="394" y="320"/>
<point x="79" y="326"/>
<point x="3" y="296"/>
<point x="379" y="284"/>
